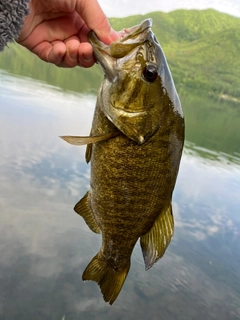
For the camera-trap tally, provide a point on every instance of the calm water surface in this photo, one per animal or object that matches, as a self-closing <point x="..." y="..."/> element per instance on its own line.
<point x="45" y="246"/>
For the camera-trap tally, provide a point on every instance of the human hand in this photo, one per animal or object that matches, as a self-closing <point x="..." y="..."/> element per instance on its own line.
<point x="56" y="31"/>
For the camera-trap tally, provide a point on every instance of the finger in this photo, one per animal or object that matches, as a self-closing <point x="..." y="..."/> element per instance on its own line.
<point x="68" y="55"/>
<point x="50" y="52"/>
<point x="96" y="20"/>
<point x="78" y="54"/>
<point x="85" y="55"/>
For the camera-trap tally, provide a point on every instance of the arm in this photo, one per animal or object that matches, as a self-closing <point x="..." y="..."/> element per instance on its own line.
<point x="12" y="14"/>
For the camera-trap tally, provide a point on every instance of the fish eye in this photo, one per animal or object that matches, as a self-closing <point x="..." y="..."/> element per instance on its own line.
<point x="150" y="73"/>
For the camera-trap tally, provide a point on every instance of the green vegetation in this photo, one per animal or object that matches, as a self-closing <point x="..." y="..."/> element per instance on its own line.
<point x="202" y="49"/>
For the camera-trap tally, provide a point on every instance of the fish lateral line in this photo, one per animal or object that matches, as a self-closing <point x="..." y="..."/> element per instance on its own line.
<point x="83" y="140"/>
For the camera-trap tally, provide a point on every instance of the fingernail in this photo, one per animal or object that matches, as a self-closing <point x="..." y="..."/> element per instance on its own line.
<point x="114" y="35"/>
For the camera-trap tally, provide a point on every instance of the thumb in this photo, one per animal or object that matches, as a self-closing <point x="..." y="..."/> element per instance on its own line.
<point x="96" y="20"/>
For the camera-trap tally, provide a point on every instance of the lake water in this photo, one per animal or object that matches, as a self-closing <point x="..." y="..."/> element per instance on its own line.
<point x="45" y="246"/>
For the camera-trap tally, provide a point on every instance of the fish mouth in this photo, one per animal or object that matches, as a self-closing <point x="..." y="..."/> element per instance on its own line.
<point x="134" y="31"/>
<point x="124" y="35"/>
<point x="129" y="38"/>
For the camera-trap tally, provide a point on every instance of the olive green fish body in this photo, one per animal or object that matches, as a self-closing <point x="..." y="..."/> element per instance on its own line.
<point x="135" y="148"/>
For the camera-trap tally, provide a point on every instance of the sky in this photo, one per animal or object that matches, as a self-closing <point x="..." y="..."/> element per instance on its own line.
<point x="123" y="8"/>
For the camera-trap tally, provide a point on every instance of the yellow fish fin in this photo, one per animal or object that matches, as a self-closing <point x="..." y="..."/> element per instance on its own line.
<point x="155" y="242"/>
<point x="80" y="141"/>
<point x="83" y="209"/>
<point x="109" y="279"/>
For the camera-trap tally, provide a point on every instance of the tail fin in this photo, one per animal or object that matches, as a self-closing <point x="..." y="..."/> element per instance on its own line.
<point x="109" y="279"/>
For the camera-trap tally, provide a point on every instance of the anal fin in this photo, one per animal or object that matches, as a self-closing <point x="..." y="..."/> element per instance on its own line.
<point x="83" y="209"/>
<point x="155" y="242"/>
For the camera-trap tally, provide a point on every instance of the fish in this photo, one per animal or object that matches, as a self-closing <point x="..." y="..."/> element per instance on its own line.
<point x="134" y="147"/>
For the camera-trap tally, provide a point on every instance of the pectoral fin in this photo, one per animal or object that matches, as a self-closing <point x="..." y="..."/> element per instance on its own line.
<point x="80" y="141"/>
<point x="155" y="242"/>
<point x="83" y="209"/>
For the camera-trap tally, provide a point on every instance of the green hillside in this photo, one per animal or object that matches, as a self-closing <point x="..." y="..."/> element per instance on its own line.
<point x="202" y="49"/>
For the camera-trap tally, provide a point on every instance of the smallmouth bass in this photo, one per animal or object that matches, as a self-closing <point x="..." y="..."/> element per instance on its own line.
<point x="135" y="148"/>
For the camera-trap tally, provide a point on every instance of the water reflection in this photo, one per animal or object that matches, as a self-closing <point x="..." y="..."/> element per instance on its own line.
<point x="45" y="246"/>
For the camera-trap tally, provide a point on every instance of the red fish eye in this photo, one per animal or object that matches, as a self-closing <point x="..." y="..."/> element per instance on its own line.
<point x="150" y="73"/>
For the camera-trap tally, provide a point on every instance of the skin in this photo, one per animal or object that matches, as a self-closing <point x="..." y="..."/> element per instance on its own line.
<point x="56" y="31"/>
